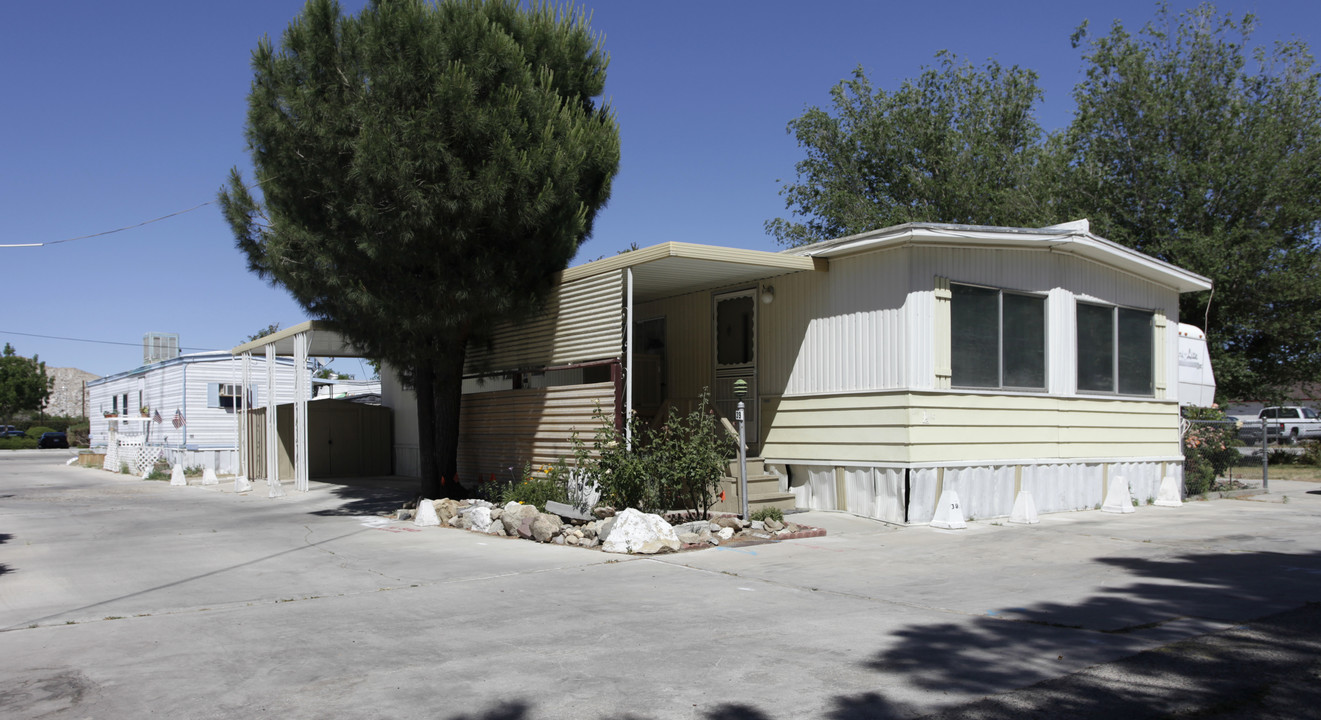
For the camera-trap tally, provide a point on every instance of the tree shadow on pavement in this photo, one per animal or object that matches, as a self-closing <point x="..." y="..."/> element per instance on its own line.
<point x="362" y="500"/>
<point x="1167" y="600"/>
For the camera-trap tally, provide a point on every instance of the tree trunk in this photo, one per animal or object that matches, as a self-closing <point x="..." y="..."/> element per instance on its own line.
<point x="447" y="396"/>
<point x="424" y="387"/>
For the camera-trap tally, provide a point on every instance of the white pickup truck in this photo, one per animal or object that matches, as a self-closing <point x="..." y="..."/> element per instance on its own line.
<point x="1283" y="424"/>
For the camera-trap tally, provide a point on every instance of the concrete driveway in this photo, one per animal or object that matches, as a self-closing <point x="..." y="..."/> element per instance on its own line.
<point x="126" y="598"/>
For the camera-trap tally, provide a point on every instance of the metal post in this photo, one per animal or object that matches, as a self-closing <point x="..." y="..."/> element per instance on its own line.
<point x="1265" y="454"/>
<point x="741" y="389"/>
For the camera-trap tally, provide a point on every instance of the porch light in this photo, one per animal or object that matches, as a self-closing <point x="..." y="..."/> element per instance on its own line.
<point x="768" y="294"/>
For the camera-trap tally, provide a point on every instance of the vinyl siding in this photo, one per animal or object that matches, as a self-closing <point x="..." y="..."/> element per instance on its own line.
<point x="502" y="431"/>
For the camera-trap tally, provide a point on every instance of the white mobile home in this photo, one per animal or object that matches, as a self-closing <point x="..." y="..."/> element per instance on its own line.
<point x="882" y="368"/>
<point x="186" y="406"/>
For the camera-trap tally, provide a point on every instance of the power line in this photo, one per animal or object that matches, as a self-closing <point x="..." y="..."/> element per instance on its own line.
<point x="98" y="342"/>
<point x="111" y="232"/>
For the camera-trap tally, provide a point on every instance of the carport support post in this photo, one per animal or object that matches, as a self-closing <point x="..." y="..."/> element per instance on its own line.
<point x="302" y="381"/>
<point x="272" y="431"/>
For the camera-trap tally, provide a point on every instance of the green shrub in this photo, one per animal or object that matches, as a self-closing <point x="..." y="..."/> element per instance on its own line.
<point x="535" y="491"/>
<point x="676" y="467"/>
<point x="1280" y="456"/>
<point x="1208" y="450"/>
<point x="193" y="471"/>
<point x="37" y="431"/>
<point x="772" y="513"/>
<point x="17" y="443"/>
<point x="1311" y="452"/>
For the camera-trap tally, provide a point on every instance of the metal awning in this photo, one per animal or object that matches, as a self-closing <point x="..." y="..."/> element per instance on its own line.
<point x="321" y="342"/>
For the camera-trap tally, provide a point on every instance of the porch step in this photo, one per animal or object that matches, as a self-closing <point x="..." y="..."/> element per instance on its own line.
<point x="763" y="491"/>
<point x="756" y="466"/>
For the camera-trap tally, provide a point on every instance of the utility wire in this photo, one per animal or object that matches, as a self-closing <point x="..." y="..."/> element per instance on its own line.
<point x="111" y="232"/>
<point x="98" y="342"/>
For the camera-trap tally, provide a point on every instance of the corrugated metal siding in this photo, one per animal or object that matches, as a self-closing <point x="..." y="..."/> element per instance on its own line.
<point x="1143" y="479"/>
<point x="875" y="492"/>
<point x="500" y="432"/>
<point x="985" y="491"/>
<point x="1064" y="486"/>
<point x="688" y="355"/>
<point x="582" y="321"/>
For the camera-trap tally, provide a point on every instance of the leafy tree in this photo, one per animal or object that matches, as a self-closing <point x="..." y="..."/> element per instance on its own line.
<point x="268" y="330"/>
<point x="24" y="386"/>
<point x="958" y="144"/>
<point x="424" y="172"/>
<point x="1185" y="150"/>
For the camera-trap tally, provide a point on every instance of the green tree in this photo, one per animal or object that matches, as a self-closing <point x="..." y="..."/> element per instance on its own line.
<point x="24" y="386"/>
<point x="958" y="144"/>
<point x="268" y="330"/>
<point x="425" y="170"/>
<point x="1184" y="149"/>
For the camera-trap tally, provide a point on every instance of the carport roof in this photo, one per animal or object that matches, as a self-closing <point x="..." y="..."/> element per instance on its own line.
<point x="322" y="342"/>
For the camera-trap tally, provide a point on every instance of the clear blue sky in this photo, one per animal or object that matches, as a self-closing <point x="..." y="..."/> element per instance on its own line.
<point x="117" y="113"/>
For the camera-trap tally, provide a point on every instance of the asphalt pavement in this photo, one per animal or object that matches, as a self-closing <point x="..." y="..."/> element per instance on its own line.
<point x="128" y="598"/>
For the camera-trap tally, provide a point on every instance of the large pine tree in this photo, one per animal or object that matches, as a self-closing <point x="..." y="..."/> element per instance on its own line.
<point x="424" y="171"/>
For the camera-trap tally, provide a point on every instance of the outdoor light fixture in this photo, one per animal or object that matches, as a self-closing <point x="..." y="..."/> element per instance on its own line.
<point x="768" y="294"/>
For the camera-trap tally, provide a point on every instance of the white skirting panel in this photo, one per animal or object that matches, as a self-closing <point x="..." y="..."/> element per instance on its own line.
<point x="813" y="487"/>
<point x="984" y="492"/>
<point x="921" y="494"/>
<point x="1064" y="487"/>
<point x="875" y="492"/>
<point x="1143" y="479"/>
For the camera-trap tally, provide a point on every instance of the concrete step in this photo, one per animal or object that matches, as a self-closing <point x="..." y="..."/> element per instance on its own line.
<point x="783" y="501"/>
<point x="756" y="466"/>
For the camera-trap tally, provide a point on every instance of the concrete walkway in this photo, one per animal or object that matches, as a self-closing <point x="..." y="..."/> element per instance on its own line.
<point x="125" y="598"/>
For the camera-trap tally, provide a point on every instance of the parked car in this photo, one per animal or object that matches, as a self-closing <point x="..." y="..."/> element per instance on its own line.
<point x="14" y="433"/>
<point x="1283" y="424"/>
<point x="53" y="440"/>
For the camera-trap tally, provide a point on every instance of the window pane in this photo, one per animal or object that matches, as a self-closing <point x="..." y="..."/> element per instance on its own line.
<point x="1024" y="341"/>
<point x="734" y="330"/>
<point x="975" y="336"/>
<point x="1096" y="348"/>
<point x="1135" y="345"/>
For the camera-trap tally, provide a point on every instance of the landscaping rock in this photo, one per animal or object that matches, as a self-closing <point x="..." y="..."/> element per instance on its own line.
<point x="480" y="517"/>
<point x="524" y="529"/>
<point x="590" y="543"/>
<point x="725" y="533"/>
<point x="690" y="538"/>
<point x="729" y="521"/>
<point x="604" y="511"/>
<point x="558" y="539"/>
<point x="554" y="520"/>
<point x="565" y="510"/>
<point x="572" y="540"/>
<point x="772" y="524"/>
<point x="542" y="531"/>
<point x="446" y="508"/>
<point x="636" y="532"/>
<point x="426" y="515"/>
<point x="757" y="525"/>
<point x="692" y="527"/>
<point x="496" y="528"/>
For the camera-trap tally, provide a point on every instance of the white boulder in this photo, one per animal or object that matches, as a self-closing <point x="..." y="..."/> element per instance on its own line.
<point x="426" y="515"/>
<point x="636" y="532"/>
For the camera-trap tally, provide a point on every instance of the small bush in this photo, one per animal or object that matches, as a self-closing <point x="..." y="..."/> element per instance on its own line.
<point x="772" y="513"/>
<point x="35" y="432"/>
<point x="193" y="471"/>
<point x="1280" y="456"/>
<point x="535" y="491"/>
<point x="1311" y="452"/>
<point x="1208" y="450"/>
<point x="17" y="443"/>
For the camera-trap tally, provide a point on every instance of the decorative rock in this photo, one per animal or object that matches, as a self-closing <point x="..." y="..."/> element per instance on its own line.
<point x="690" y="538"/>
<point x="525" y="529"/>
<point x="793" y="527"/>
<point x="725" y="533"/>
<point x="604" y="511"/>
<point x="572" y="540"/>
<point x="757" y="525"/>
<point x="772" y="524"/>
<point x="512" y="506"/>
<point x="479" y="517"/>
<point x="554" y="521"/>
<point x="590" y="543"/>
<point x="497" y="528"/>
<point x="542" y="531"/>
<point x="558" y="540"/>
<point x="714" y="527"/>
<point x="564" y="510"/>
<point x="603" y="530"/>
<point x="637" y="532"/>
<point x="426" y="515"/>
<point x="462" y="522"/>
<point x="496" y="513"/>
<point x="692" y="527"/>
<point x="446" y="509"/>
<point x="729" y="521"/>
<point x="510" y="521"/>
<point x="403" y="514"/>
<point x="453" y="521"/>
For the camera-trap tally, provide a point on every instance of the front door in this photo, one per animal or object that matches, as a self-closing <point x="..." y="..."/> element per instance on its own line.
<point x="734" y="319"/>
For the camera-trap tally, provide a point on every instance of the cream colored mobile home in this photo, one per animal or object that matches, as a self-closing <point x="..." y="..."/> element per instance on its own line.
<point x="883" y="368"/>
